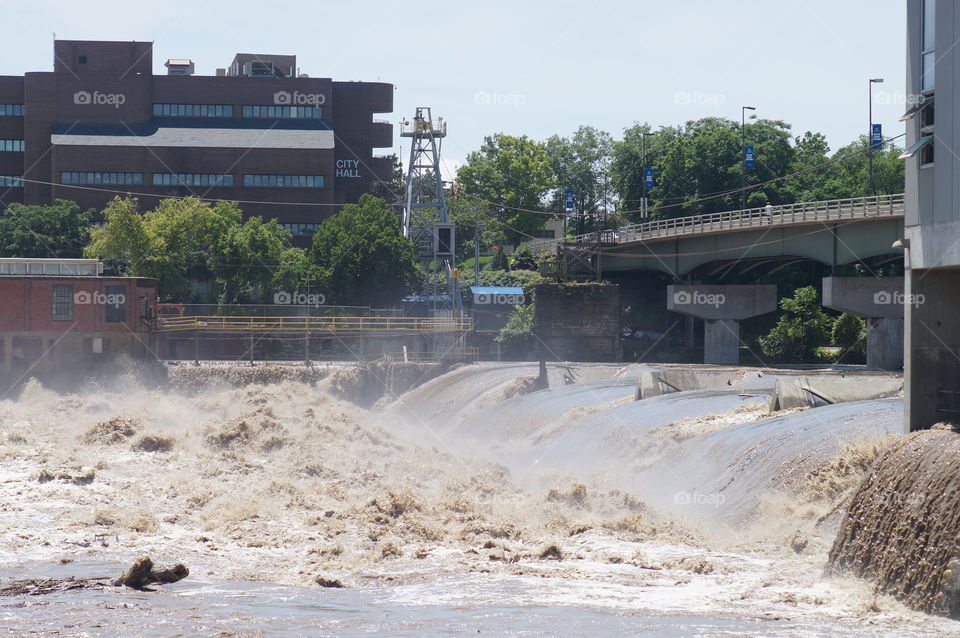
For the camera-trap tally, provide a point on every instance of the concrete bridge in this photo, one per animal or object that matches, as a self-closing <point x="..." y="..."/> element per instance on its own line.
<point x="834" y="233"/>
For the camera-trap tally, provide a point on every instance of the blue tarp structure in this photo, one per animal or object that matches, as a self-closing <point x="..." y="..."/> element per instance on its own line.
<point x="496" y="290"/>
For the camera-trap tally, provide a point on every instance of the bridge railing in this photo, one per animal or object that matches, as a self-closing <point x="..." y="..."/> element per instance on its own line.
<point x="316" y="324"/>
<point x="785" y="214"/>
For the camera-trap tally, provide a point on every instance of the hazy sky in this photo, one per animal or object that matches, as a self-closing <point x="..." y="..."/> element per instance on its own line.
<point x="534" y="68"/>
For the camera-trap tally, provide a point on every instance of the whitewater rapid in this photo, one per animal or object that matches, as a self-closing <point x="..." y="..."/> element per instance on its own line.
<point x="461" y="506"/>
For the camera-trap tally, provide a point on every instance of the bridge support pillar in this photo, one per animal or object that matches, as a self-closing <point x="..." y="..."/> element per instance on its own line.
<point x="722" y="308"/>
<point x="880" y="300"/>
<point x="721" y="341"/>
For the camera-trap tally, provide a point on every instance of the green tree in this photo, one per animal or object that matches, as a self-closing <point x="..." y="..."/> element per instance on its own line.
<point x="698" y="166"/>
<point x="512" y="175"/>
<point x="363" y="257"/>
<point x="123" y="241"/>
<point x="295" y="271"/>
<point x="802" y="328"/>
<point x="582" y="162"/>
<point x="516" y="336"/>
<point x="184" y="241"/>
<point x="850" y="333"/>
<point x="466" y="213"/>
<point x="57" y="230"/>
<point x="247" y="260"/>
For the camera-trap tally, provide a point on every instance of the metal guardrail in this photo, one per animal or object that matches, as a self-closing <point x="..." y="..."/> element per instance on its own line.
<point x="784" y="215"/>
<point x="313" y="324"/>
<point x="468" y="353"/>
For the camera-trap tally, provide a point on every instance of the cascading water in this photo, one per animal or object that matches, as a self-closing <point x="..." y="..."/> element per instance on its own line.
<point x="459" y="507"/>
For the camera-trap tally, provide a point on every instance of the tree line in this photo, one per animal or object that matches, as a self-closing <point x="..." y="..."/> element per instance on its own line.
<point x="207" y="252"/>
<point x="512" y="184"/>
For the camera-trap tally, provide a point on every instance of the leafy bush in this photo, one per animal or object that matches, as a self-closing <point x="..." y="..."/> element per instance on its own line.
<point x="802" y="329"/>
<point x="850" y="333"/>
<point x="516" y="336"/>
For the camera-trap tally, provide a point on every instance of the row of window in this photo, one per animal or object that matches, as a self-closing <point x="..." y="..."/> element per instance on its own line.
<point x="184" y="179"/>
<point x="226" y="110"/>
<point x="73" y="177"/>
<point x="284" y="181"/>
<point x="114" y="301"/>
<point x="15" y="146"/>
<point x="11" y="109"/>
<point x="301" y="230"/>
<point x="193" y="110"/>
<point x="11" y="181"/>
<point x="191" y="179"/>
<point x="283" y="112"/>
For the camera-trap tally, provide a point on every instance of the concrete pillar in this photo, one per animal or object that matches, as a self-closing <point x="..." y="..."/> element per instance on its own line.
<point x="880" y="300"/>
<point x="721" y="341"/>
<point x="885" y="343"/>
<point x="722" y="308"/>
<point x="931" y="348"/>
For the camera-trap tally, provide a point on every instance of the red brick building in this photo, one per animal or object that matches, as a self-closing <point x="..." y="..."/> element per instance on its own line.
<point x="60" y="314"/>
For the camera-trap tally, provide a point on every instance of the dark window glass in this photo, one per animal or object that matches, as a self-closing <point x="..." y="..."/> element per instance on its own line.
<point x="63" y="303"/>
<point x="116" y="304"/>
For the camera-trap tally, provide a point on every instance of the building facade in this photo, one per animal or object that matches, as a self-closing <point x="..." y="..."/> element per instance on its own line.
<point x="62" y="316"/>
<point x="932" y="215"/>
<point x="258" y="132"/>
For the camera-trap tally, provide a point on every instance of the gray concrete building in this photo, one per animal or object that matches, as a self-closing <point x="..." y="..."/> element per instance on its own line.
<point x="932" y="215"/>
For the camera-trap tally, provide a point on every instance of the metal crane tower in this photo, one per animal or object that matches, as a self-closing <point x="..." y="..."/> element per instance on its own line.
<point x="425" y="219"/>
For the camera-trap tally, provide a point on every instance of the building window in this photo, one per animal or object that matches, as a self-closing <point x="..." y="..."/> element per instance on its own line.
<point x="11" y="181"/>
<point x="193" y="110"/>
<point x="111" y="179"/>
<point x="82" y="59"/>
<point x="283" y="181"/>
<point x="301" y="230"/>
<point x="13" y="146"/>
<point x="273" y="112"/>
<point x="63" y="303"/>
<point x="926" y="154"/>
<point x="13" y="110"/>
<point x="192" y="179"/>
<point x="928" y="44"/>
<point x="116" y="304"/>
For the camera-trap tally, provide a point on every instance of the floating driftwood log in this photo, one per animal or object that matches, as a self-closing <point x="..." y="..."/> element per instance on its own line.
<point x="140" y="575"/>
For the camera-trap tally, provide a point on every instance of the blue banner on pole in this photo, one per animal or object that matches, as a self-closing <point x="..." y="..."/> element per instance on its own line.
<point x="876" y="137"/>
<point x="748" y="157"/>
<point x="568" y="199"/>
<point x="648" y="178"/>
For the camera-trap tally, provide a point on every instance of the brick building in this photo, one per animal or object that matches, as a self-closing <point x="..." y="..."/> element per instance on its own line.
<point x="259" y="132"/>
<point x="60" y="315"/>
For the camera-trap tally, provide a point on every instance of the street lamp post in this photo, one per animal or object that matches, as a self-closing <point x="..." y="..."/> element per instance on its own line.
<point x="743" y="153"/>
<point x="643" y="177"/>
<point x="870" y="187"/>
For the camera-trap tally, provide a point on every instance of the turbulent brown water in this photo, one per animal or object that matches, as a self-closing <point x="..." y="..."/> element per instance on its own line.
<point x="286" y="484"/>
<point x="280" y="482"/>
<point x="902" y="528"/>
